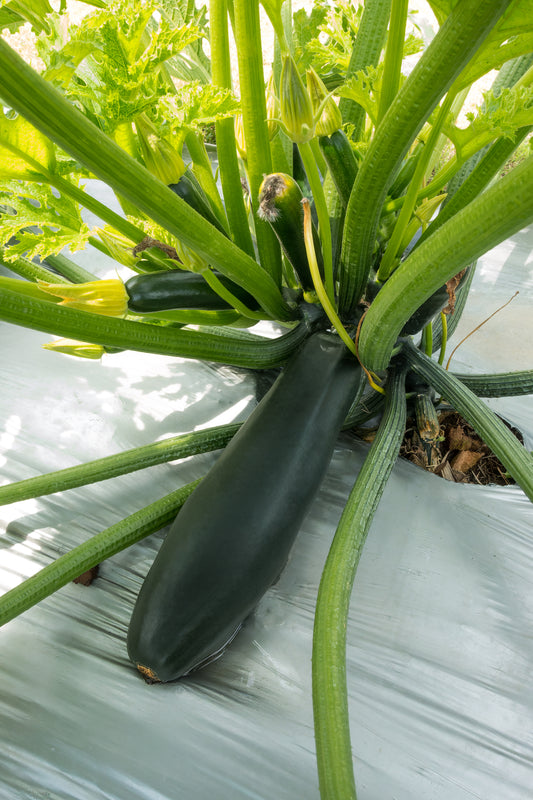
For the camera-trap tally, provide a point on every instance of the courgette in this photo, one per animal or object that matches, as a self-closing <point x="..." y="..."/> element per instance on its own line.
<point x="341" y="162"/>
<point x="280" y="204"/>
<point x="177" y="288"/>
<point x="232" y="538"/>
<point x="189" y="189"/>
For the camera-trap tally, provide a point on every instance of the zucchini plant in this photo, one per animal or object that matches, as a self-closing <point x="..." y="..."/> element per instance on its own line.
<point x="347" y="210"/>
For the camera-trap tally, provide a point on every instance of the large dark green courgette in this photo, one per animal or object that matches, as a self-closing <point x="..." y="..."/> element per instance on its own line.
<point x="232" y="538"/>
<point x="177" y="288"/>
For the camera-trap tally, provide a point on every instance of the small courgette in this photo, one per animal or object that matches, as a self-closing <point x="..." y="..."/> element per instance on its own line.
<point x="341" y="162"/>
<point x="280" y="204"/>
<point x="177" y="289"/>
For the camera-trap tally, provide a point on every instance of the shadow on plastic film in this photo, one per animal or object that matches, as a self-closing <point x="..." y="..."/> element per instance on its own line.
<point x="128" y="400"/>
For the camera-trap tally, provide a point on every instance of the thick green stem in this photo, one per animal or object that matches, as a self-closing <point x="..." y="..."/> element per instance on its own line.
<point x="366" y="52"/>
<point x="392" y="68"/>
<point x="54" y="116"/>
<point x="204" y="174"/>
<point x="28" y="269"/>
<point x="87" y="555"/>
<point x="68" y="269"/>
<point x="457" y="40"/>
<point x="495" y="157"/>
<point x="254" y="116"/>
<point x="230" y="176"/>
<point x="503" y="384"/>
<point x="389" y="260"/>
<point x="330" y="696"/>
<point x="255" y="352"/>
<point x="170" y="449"/>
<point x="515" y="458"/>
<point x="499" y="212"/>
<point x="106" y="214"/>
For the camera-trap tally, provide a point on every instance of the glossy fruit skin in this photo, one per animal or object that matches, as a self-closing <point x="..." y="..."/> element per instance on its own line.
<point x="177" y="288"/>
<point x="191" y="192"/>
<point x="232" y="537"/>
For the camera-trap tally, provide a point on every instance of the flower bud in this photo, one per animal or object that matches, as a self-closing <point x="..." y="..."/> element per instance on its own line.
<point x="324" y="106"/>
<point x="120" y="247"/>
<point x="272" y="106"/>
<point x="160" y="158"/>
<point x="295" y="104"/>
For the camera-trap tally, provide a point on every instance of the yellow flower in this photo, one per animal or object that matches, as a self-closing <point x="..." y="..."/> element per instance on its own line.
<point x="74" y="348"/>
<point x="107" y="297"/>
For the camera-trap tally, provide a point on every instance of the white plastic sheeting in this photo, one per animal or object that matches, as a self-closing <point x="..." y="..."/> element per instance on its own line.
<point x="440" y="653"/>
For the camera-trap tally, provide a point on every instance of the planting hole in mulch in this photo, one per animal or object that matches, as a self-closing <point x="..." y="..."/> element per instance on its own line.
<point x="460" y="455"/>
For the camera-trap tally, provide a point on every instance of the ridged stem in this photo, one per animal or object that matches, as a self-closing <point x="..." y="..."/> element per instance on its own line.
<point x="503" y="384"/>
<point x="457" y="40"/>
<point x="230" y="176"/>
<point x="204" y="174"/>
<point x="254" y="116"/>
<point x="52" y="114"/>
<point x="101" y="469"/>
<point x="366" y="52"/>
<point x="499" y="212"/>
<point x="255" y="352"/>
<point x="330" y="696"/>
<point x="315" y="183"/>
<point x="87" y="555"/>
<point x="392" y="68"/>
<point x="392" y="252"/>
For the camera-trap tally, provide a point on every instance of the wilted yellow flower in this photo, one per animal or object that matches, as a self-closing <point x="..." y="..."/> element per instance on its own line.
<point x="71" y="347"/>
<point x="107" y="297"/>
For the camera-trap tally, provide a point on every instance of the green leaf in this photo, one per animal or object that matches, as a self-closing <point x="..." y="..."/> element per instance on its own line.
<point x="195" y="105"/>
<point x="113" y="64"/>
<point x="33" y="11"/>
<point x="502" y="117"/>
<point x="511" y="37"/>
<point x="42" y="221"/>
<point x="305" y="28"/>
<point x="330" y="48"/>
<point x="363" y="88"/>
<point x="23" y="150"/>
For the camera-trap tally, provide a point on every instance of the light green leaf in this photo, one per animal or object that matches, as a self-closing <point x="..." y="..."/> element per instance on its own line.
<point x="511" y="37"/>
<point x="32" y="11"/>
<point x="42" y="221"/>
<point x="24" y="151"/>
<point x="197" y="104"/>
<point x="331" y="47"/>
<point x="512" y="109"/>
<point x="364" y="88"/>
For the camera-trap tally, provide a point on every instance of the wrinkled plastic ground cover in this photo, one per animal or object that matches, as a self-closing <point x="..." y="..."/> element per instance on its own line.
<point x="439" y="640"/>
